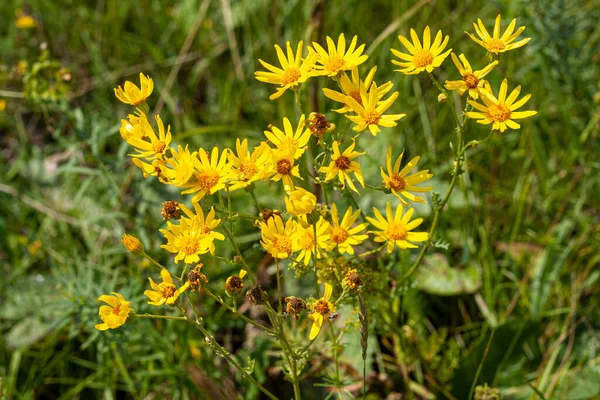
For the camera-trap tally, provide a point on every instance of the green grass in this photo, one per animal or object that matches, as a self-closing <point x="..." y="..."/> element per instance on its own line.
<point x="524" y="216"/>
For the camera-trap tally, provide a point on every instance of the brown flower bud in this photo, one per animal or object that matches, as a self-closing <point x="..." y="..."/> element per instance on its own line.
<point x="170" y="210"/>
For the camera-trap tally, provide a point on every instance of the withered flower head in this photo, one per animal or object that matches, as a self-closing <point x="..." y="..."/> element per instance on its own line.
<point x="195" y="277"/>
<point x="234" y="283"/>
<point x="170" y="210"/>
<point x="255" y="295"/>
<point x="268" y="213"/>
<point x="295" y="305"/>
<point x="319" y="124"/>
<point x="353" y="280"/>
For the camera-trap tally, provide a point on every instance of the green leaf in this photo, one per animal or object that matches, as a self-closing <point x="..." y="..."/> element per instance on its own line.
<point x="437" y="277"/>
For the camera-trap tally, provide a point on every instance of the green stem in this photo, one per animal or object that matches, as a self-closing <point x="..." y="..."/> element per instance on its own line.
<point x="317" y="288"/>
<point x="298" y="103"/>
<point x="485" y="353"/>
<point x="153" y="316"/>
<point x="279" y="295"/>
<point x="258" y="209"/>
<point x="153" y="261"/>
<point x="334" y="345"/>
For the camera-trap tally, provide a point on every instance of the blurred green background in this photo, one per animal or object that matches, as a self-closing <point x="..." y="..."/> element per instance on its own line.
<point x="525" y="215"/>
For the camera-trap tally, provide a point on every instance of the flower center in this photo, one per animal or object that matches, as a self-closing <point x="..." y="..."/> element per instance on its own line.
<point x="204" y="229"/>
<point x="371" y="117"/>
<point x="307" y="242"/>
<point x="159" y="146"/>
<point x="283" y="244"/>
<point x="342" y="162"/>
<point x="335" y="64"/>
<point x="290" y="75"/>
<point x="471" y="81"/>
<point x="322" y="307"/>
<point x="189" y="246"/>
<point x="169" y="291"/>
<point x="498" y="112"/>
<point x="284" y="167"/>
<point x="356" y="96"/>
<point x="422" y="58"/>
<point x="397" y="182"/>
<point x="396" y="231"/>
<point x="207" y="179"/>
<point x="248" y="168"/>
<point x="495" y="45"/>
<point x="117" y="310"/>
<point x="339" y="234"/>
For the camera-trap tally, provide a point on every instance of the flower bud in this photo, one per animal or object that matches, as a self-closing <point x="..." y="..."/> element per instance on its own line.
<point x="132" y="244"/>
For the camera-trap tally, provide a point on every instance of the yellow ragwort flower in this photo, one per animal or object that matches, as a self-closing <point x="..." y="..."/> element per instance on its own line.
<point x="396" y="228"/>
<point x="400" y="183"/>
<point x="294" y="69"/>
<point x="498" y="44"/>
<point x="370" y="111"/>
<point x="131" y="94"/>
<point x="132" y="244"/>
<point x="336" y="60"/>
<point x="353" y="88"/>
<point x="115" y="313"/>
<point x="158" y="146"/>
<point x="300" y="202"/>
<point x="165" y="292"/>
<point x="210" y="174"/>
<point x="283" y="168"/>
<point x="182" y="163"/>
<point x="306" y="239"/>
<point x="342" y="164"/>
<point x="157" y="168"/>
<point x="246" y="167"/>
<point x="322" y="308"/>
<point x="288" y="139"/>
<point x="278" y="239"/>
<point x="471" y="81"/>
<point x="423" y="57"/>
<point x="135" y="126"/>
<point x="207" y="225"/>
<point x="25" y="22"/>
<point x="500" y="111"/>
<point x="343" y="235"/>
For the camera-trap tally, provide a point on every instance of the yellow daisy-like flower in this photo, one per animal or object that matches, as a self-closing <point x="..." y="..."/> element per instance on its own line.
<point x="370" y="111"/>
<point x="115" y="313"/>
<point x="342" y="164"/>
<point x="289" y="139"/>
<point x="423" y="57"/>
<point x="210" y="174"/>
<point x="157" y="168"/>
<point x="278" y="239"/>
<point x="158" y="146"/>
<point x="294" y="70"/>
<point x="25" y="22"/>
<point x="207" y="225"/>
<point x="400" y="183"/>
<point x="131" y="94"/>
<point x="343" y="235"/>
<point x="182" y="166"/>
<point x="322" y="309"/>
<point x="283" y="168"/>
<point x="396" y="229"/>
<point x="245" y="167"/>
<point x="500" y="111"/>
<point x="353" y="88"/>
<point x="495" y="43"/>
<point x="165" y="292"/>
<point x="471" y="81"/>
<point x="135" y="126"/>
<point x="300" y="202"/>
<point x="336" y="60"/>
<point x="306" y="239"/>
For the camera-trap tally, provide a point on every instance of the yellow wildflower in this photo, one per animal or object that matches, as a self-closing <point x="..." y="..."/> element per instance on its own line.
<point x="115" y="313"/>
<point x="322" y="308"/>
<point x="234" y="284"/>
<point x="131" y="94"/>
<point x="158" y="146"/>
<point x="182" y="163"/>
<point x="498" y="44"/>
<point x="396" y="229"/>
<point x="500" y="111"/>
<point x="336" y="60"/>
<point x="400" y="183"/>
<point x="165" y="292"/>
<point x="343" y="235"/>
<point x="157" y="168"/>
<point x="278" y="239"/>
<point x="207" y="225"/>
<point x="210" y="175"/>
<point x="300" y="202"/>
<point x="370" y="111"/>
<point x="25" y="22"/>
<point x="132" y="244"/>
<point x="423" y="57"/>
<point x="353" y="88"/>
<point x="342" y="164"/>
<point x="306" y="239"/>
<point x="294" y="70"/>
<point x="136" y="126"/>
<point x="471" y="81"/>
<point x="289" y="139"/>
<point x="245" y="167"/>
<point x="284" y="168"/>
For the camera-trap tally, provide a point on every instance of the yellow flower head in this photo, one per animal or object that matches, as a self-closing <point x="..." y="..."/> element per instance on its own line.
<point x="115" y="313"/>
<point x="288" y="139"/>
<point x="370" y="111"/>
<point x="158" y="146"/>
<point x="131" y="94"/>
<point x="165" y="292"/>
<point x="422" y="57"/>
<point x="500" y="111"/>
<point x="2" y="105"/>
<point x="471" y="81"/>
<point x="157" y="168"/>
<point x="182" y="163"/>
<point x="353" y="89"/>
<point x="294" y="69"/>
<point x="343" y="235"/>
<point x="322" y="308"/>
<point x="342" y="164"/>
<point x="25" y="22"/>
<point x="210" y="174"/>
<point x="284" y="168"/>
<point x="336" y="60"/>
<point x="498" y="44"/>
<point x="245" y="167"/>
<point x="300" y="202"/>
<point x="234" y="284"/>
<point x="278" y="239"/>
<point x="132" y="244"/>
<point x="306" y="239"/>
<point x="400" y="183"/>
<point x="135" y="126"/>
<point x="207" y="225"/>
<point x="396" y="228"/>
